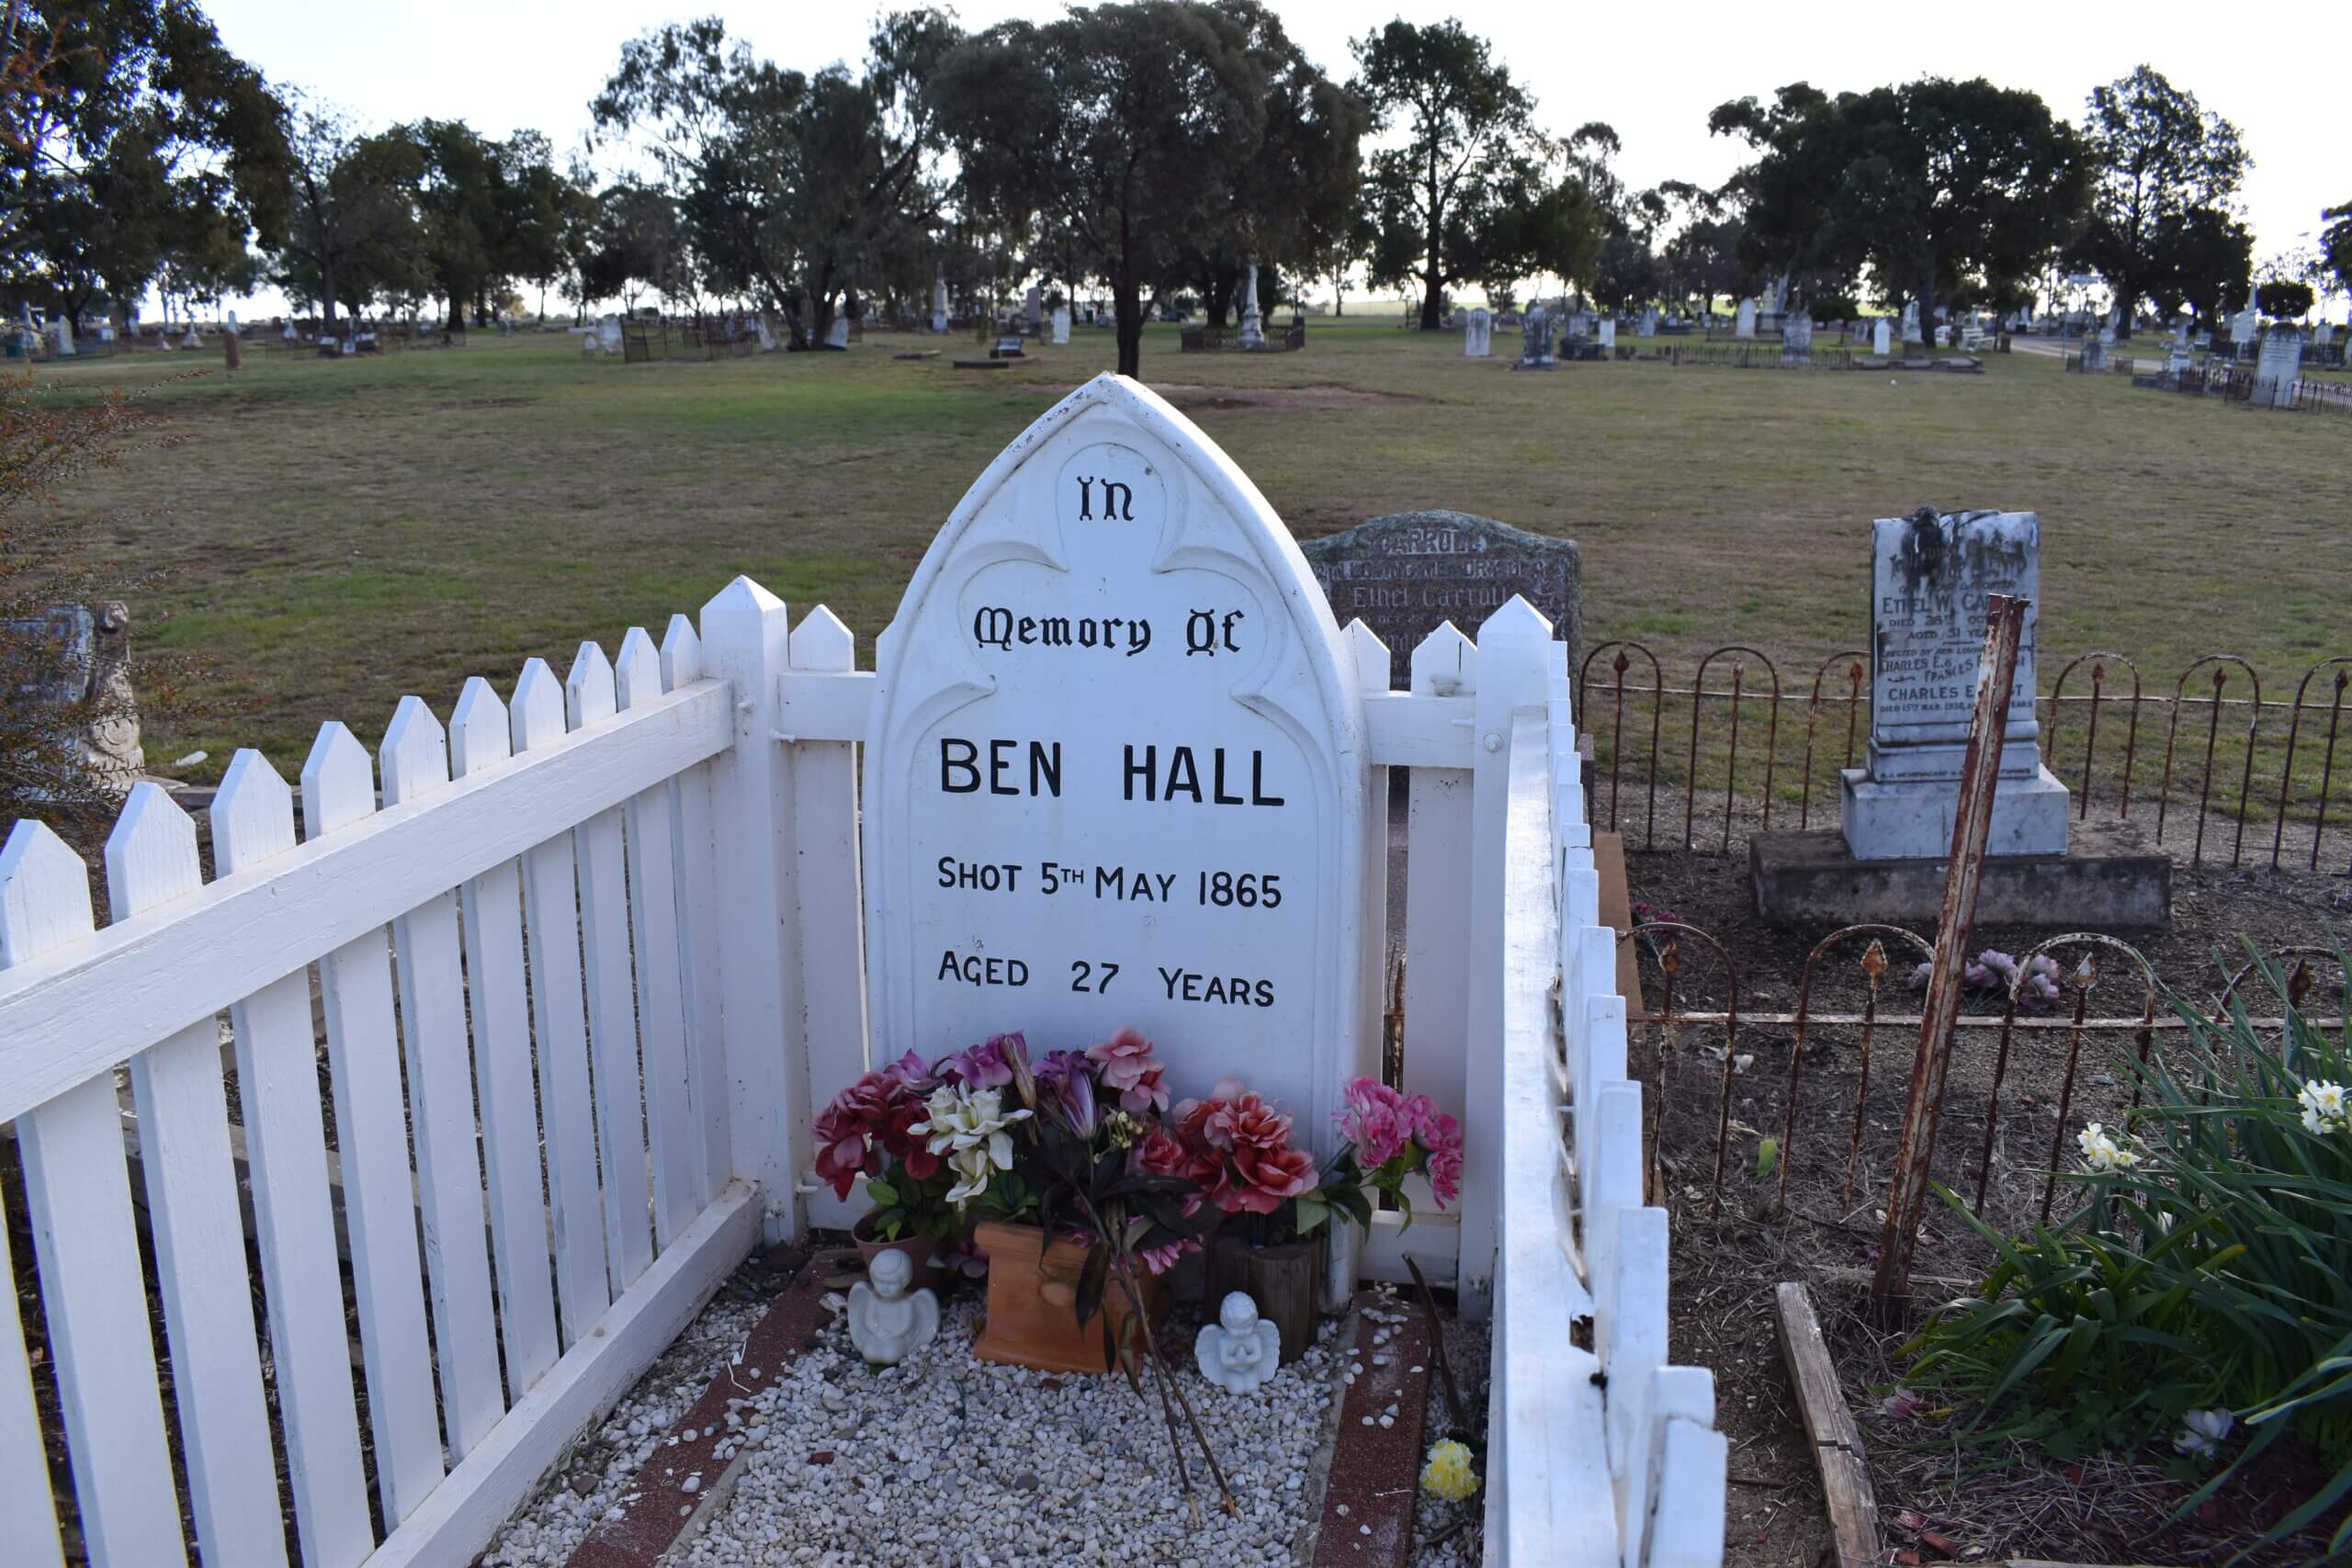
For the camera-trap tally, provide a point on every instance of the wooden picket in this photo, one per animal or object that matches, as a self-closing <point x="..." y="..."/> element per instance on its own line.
<point x="586" y="973"/>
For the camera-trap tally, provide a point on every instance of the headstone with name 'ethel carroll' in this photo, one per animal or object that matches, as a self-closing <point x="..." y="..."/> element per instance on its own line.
<point x="1116" y="770"/>
<point x="1932" y="581"/>
<point x="1407" y="574"/>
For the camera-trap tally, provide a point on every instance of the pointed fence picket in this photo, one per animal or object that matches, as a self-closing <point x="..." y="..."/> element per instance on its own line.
<point x="585" y="973"/>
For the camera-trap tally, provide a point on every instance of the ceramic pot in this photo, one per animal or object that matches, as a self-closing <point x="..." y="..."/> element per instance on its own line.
<point x="922" y="1253"/>
<point x="1032" y="1304"/>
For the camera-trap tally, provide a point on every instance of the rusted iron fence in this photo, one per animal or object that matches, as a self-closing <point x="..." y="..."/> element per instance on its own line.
<point x="2035" y="1017"/>
<point x="2223" y="766"/>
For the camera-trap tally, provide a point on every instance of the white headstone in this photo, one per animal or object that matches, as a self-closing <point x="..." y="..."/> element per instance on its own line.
<point x="1745" y="326"/>
<point x="60" y="337"/>
<point x="2246" y="326"/>
<point x="837" y="334"/>
<point x="1609" y="331"/>
<point x="1932" y="578"/>
<point x="1253" y="331"/>
<point x="232" y="327"/>
<point x="193" y="339"/>
<point x="608" y="334"/>
<point x="289" y="334"/>
<point x="765" y="327"/>
<point x="2279" y="367"/>
<point x="938" y="302"/>
<point x="1911" y="323"/>
<point x="1478" y="334"/>
<point x="1880" y="336"/>
<point x="1649" y="327"/>
<point x="1116" y="768"/>
<point x="1061" y="324"/>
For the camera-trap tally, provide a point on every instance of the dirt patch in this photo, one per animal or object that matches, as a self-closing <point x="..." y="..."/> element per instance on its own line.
<point x="1190" y="395"/>
<point x="1728" y="1256"/>
<point x="491" y="403"/>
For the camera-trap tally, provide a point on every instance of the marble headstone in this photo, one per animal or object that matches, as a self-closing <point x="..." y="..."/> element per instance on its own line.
<point x="1405" y="575"/>
<point x="2095" y="353"/>
<point x="1609" y="331"/>
<point x="1478" y="334"/>
<point x="1744" y="325"/>
<point x="1115" y="769"/>
<point x="60" y="337"/>
<point x="1536" y="339"/>
<point x="837" y="334"/>
<point x="1061" y="324"/>
<point x="2277" y="366"/>
<point x="938" y="304"/>
<point x="1649" y="327"/>
<point x="1932" y="579"/>
<point x="1253" y="327"/>
<point x="1880" y="338"/>
<point x="1796" y="338"/>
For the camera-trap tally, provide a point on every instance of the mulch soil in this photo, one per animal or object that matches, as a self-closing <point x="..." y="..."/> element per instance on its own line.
<point x="1938" y="1498"/>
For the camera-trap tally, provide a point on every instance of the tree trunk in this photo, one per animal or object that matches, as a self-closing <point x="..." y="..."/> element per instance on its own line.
<point x="326" y="286"/>
<point x="1127" y="306"/>
<point x="1433" y="290"/>
<point x="2127" y="295"/>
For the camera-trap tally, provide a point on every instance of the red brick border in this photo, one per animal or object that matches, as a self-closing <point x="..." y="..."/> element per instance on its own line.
<point x="663" y="1509"/>
<point x="1375" y="1483"/>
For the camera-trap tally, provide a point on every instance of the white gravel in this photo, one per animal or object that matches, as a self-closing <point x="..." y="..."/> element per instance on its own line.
<point x="1466" y="1346"/>
<point x="596" y="1475"/>
<point x="948" y="1461"/>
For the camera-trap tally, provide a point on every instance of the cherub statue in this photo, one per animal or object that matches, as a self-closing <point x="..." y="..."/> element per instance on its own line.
<point x="886" y="1323"/>
<point x="1240" y="1350"/>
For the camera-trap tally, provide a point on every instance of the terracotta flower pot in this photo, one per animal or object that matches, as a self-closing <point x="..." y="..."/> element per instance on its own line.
<point x="1032" y="1304"/>
<point x="922" y="1252"/>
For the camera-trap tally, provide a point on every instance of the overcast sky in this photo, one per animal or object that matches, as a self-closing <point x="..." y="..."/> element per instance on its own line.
<point x="1651" y="72"/>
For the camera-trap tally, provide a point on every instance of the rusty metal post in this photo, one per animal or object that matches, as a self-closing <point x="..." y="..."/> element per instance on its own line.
<point x="1980" y="771"/>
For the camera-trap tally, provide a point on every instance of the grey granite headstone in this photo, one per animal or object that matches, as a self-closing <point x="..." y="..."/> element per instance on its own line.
<point x="1403" y="574"/>
<point x="1932" y="579"/>
<point x="2278" y="367"/>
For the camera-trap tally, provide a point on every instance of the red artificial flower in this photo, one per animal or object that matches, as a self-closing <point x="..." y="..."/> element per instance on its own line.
<point x="1269" y="1177"/>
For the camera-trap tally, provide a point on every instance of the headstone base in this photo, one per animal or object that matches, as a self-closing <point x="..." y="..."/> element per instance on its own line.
<point x="1913" y="821"/>
<point x="2111" y="881"/>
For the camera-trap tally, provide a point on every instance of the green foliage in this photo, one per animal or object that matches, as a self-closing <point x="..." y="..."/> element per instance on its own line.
<point x="1941" y="190"/>
<point x="2215" y="1271"/>
<point x="2166" y="175"/>
<point x="1468" y="192"/>
<point x="2283" y="299"/>
<point x="151" y="149"/>
<point x="2335" y="244"/>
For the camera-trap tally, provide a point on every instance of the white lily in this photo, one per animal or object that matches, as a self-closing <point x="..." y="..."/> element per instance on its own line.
<point x="968" y="1126"/>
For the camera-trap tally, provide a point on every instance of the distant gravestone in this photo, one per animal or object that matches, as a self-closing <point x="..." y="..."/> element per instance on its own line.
<point x="938" y="303"/>
<point x="1609" y="331"/>
<point x="1649" y="327"/>
<point x="2278" y="367"/>
<point x="2093" y="354"/>
<point x="1115" y="773"/>
<point x="1478" y="334"/>
<point x="1403" y="575"/>
<point x="1744" y="325"/>
<point x="1932" y="579"/>
<point x="60" y="337"/>
<point x="1911" y="324"/>
<point x="837" y="333"/>
<point x="1796" y="338"/>
<point x="1061" y="324"/>
<point x="1536" y="340"/>
<point x="1879" y="337"/>
<point x="1033" y="308"/>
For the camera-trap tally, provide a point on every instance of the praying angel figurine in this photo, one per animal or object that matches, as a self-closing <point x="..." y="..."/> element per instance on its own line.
<point x="885" y="1323"/>
<point x="1240" y="1350"/>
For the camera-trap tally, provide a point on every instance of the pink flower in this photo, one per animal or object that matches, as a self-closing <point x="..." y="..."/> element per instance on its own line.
<point x="1210" y="1121"/>
<point x="1376" y="1120"/>
<point x="1129" y="1067"/>
<point x="1446" y="1173"/>
<point x="1159" y="1259"/>
<point x="985" y="1065"/>
<point x="1270" y="1177"/>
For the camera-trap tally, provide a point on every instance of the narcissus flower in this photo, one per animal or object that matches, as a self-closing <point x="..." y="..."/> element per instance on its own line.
<point x="2101" y="1154"/>
<point x="1448" y="1473"/>
<point x="2323" y="1110"/>
<point x="2205" y="1430"/>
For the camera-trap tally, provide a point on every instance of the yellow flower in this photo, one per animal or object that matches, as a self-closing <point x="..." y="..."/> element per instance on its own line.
<point x="1448" y="1473"/>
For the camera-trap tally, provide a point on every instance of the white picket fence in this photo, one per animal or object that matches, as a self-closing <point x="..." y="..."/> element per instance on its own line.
<point x="583" y="976"/>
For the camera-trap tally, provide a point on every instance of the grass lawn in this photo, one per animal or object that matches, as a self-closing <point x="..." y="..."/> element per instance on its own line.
<point x="337" y="533"/>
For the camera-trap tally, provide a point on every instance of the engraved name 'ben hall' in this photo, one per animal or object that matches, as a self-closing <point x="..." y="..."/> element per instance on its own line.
<point x="1147" y="773"/>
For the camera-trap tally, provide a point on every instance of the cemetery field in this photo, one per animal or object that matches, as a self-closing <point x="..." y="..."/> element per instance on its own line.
<point x="334" y="533"/>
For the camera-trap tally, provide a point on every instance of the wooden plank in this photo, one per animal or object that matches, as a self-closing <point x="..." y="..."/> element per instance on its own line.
<point x="1416" y="729"/>
<point x="441" y="1107"/>
<point x="465" y="1512"/>
<point x="78" y="1192"/>
<point x="1617" y="910"/>
<point x="28" y="1511"/>
<point x="560" y="1019"/>
<point x="1437" y="894"/>
<point x="831" y="884"/>
<point x="371" y="1127"/>
<point x="698" y="935"/>
<point x="651" y="819"/>
<point x="818" y="704"/>
<point x="491" y="906"/>
<point x="590" y="702"/>
<point x="278" y="1082"/>
<point x="191" y="1182"/>
<point x="100" y="1000"/>
<point x="1837" y="1441"/>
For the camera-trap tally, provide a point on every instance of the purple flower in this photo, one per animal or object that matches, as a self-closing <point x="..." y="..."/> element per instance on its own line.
<point x="1074" y="1092"/>
<point x="985" y="1065"/>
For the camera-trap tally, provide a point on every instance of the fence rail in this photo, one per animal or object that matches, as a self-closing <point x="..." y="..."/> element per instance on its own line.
<point x="2049" y="991"/>
<point x="2232" y="757"/>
